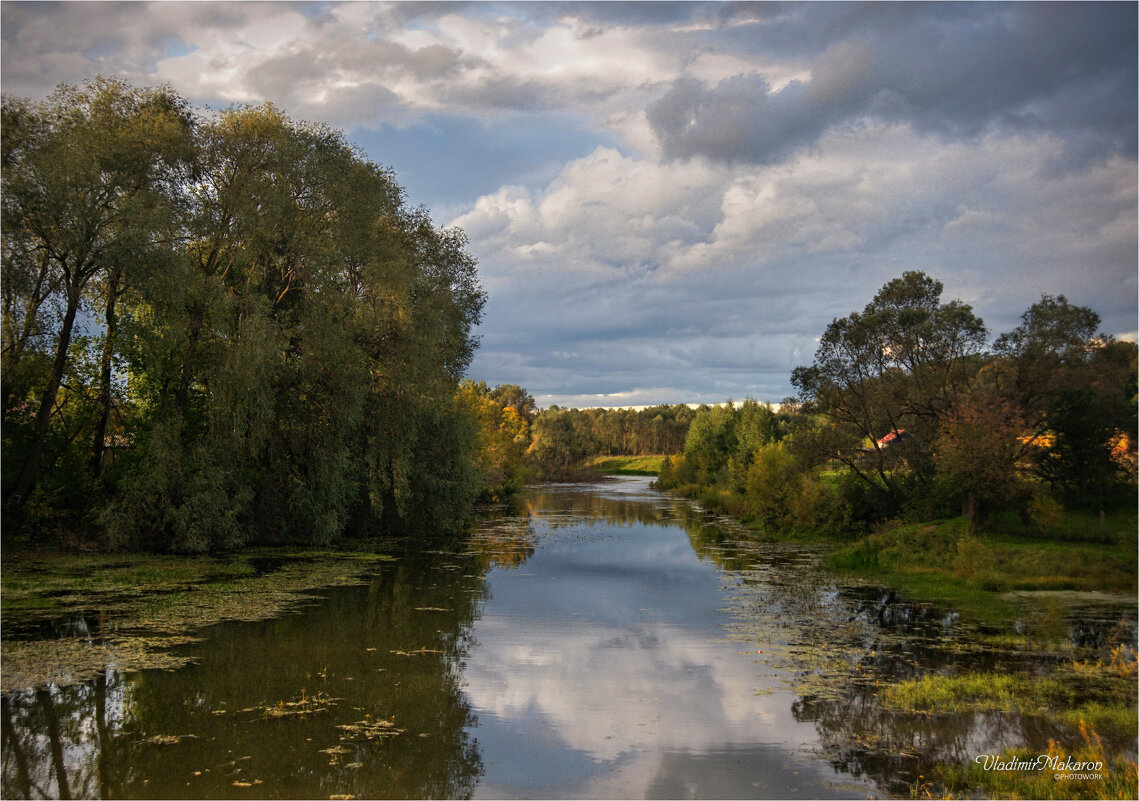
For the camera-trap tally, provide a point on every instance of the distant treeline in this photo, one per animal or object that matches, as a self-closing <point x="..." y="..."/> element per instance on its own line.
<point x="904" y="411"/>
<point x="518" y="443"/>
<point x="222" y="328"/>
<point x="565" y="438"/>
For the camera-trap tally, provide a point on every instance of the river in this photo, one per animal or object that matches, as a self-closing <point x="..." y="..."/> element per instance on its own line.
<point x="597" y="641"/>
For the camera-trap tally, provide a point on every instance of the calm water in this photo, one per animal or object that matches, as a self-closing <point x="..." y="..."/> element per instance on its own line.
<point x="599" y="641"/>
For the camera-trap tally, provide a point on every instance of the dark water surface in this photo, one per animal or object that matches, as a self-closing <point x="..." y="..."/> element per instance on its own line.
<point x="601" y="641"/>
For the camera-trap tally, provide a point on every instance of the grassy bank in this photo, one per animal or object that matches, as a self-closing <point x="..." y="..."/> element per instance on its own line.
<point x="143" y="604"/>
<point x="991" y="573"/>
<point x="627" y="465"/>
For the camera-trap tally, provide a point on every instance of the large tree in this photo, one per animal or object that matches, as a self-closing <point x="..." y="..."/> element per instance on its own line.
<point x="1076" y="388"/>
<point x="89" y="178"/>
<point x="280" y="335"/>
<point x="882" y="377"/>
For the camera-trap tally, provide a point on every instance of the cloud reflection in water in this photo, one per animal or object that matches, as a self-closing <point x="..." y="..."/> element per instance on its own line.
<point x="601" y="669"/>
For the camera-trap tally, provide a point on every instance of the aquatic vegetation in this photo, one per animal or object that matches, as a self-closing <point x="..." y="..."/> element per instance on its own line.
<point x="942" y="694"/>
<point x="67" y="661"/>
<point x="417" y="651"/>
<point x="144" y="607"/>
<point x="1119" y="717"/>
<point x="369" y="729"/>
<point x="1099" y="775"/>
<point x="168" y="739"/>
<point x="301" y="707"/>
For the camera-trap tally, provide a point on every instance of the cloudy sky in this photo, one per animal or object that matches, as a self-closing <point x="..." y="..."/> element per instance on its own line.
<point x="669" y="202"/>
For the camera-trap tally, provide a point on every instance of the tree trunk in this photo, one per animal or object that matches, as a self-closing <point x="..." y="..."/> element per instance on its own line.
<point x="17" y="342"/>
<point x="99" y="442"/>
<point x="12" y="740"/>
<point x="969" y="508"/>
<point x="47" y="402"/>
<point x="55" y="741"/>
<point x="182" y="393"/>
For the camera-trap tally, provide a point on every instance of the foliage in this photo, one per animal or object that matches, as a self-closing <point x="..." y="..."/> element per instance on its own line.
<point x="977" y="450"/>
<point x="503" y="417"/>
<point x="278" y="339"/>
<point x="903" y="414"/>
<point x="564" y="441"/>
<point x="893" y="369"/>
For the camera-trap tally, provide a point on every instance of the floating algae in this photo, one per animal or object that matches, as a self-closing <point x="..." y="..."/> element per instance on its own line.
<point x="301" y="707"/>
<point x="73" y="660"/>
<point x="146" y="606"/>
<point x="418" y="651"/>
<point x="168" y="739"/>
<point x="368" y="729"/>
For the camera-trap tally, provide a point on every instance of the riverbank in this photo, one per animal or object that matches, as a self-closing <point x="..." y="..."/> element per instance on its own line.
<point x="988" y="574"/>
<point x="627" y="465"/>
<point x="141" y="606"/>
<point x="1051" y="614"/>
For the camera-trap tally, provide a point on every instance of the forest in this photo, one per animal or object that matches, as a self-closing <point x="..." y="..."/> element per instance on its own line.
<point x="227" y="329"/>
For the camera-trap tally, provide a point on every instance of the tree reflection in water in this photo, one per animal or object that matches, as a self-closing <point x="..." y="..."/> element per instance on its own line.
<point x="402" y="649"/>
<point x="202" y="731"/>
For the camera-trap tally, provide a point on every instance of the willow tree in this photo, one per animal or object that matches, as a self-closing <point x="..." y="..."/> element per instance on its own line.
<point x="280" y="336"/>
<point x="89" y="189"/>
<point x="299" y="366"/>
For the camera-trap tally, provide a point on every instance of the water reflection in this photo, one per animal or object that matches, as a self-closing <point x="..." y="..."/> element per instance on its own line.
<point x="386" y="651"/>
<point x="603" y="660"/>
<point x="595" y="641"/>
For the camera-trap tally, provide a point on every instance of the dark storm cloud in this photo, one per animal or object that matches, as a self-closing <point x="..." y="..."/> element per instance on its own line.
<point x="952" y="71"/>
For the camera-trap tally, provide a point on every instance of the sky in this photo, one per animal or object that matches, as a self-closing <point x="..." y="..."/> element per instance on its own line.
<point x="669" y="202"/>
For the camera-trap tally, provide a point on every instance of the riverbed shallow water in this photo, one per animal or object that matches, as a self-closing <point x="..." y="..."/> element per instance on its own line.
<point x="595" y="641"/>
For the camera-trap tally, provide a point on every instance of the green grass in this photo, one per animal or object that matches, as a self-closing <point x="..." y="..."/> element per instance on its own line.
<point x="1053" y="697"/>
<point x="1118" y="778"/>
<point x="939" y="694"/>
<point x="979" y="573"/>
<point x="1121" y="717"/>
<point x="627" y="465"/>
